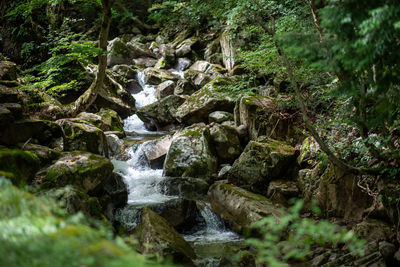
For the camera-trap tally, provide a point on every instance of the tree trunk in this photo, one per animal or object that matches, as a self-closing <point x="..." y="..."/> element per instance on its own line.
<point x="87" y="98"/>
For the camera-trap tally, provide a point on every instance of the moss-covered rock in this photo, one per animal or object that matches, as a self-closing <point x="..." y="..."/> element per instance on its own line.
<point x="373" y="230"/>
<point x="165" y="89"/>
<point x="10" y="112"/>
<point x="111" y="121"/>
<point x="186" y="187"/>
<point x="156" y="236"/>
<point x="10" y="95"/>
<point x="83" y="170"/>
<point x="84" y="137"/>
<point x="160" y="113"/>
<point x="338" y="195"/>
<point x="226" y="142"/>
<point x="156" y="76"/>
<point x="190" y="154"/>
<point x="122" y="52"/>
<point x="184" y="87"/>
<point x="199" y="105"/>
<point x="239" y="207"/>
<point x="36" y="131"/>
<point x="220" y="116"/>
<point x="45" y="154"/>
<point x="17" y="165"/>
<point x="308" y="152"/>
<point x="8" y="70"/>
<point x="262" y="161"/>
<point x="185" y="47"/>
<point x="197" y="78"/>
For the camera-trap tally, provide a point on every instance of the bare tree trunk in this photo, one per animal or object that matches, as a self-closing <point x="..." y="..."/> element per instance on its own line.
<point x="87" y="98"/>
<point x="315" y="17"/>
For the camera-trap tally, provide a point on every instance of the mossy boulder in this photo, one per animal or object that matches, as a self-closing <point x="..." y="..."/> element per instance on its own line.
<point x="241" y="208"/>
<point x="45" y="154"/>
<point x="190" y="154"/>
<point x="220" y="116"/>
<point x="165" y="89"/>
<point x="262" y="161"/>
<point x="185" y="187"/>
<point x="184" y="87"/>
<point x="338" y="195"/>
<point x="84" y="137"/>
<point x="157" y="236"/>
<point x="10" y="95"/>
<point x="8" y="70"/>
<point x="373" y="230"/>
<point x="111" y="120"/>
<point x="185" y="47"/>
<point x="36" y="131"/>
<point x="161" y="113"/>
<point x="226" y="142"/>
<point x="83" y="170"/>
<point x="199" y="105"/>
<point x="308" y="152"/>
<point x="156" y="76"/>
<point x="197" y="78"/>
<point x="122" y="52"/>
<point x="10" y="112"/>
<point x="17" y="165"/>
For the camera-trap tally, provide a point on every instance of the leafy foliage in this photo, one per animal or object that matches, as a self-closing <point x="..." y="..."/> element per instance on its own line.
<point x="292" y="237"/>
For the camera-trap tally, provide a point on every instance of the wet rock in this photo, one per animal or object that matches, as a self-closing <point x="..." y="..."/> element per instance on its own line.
<point x="190" y="154"/>
<point x="180" y="213"/>
<point x="239" y="207"/>
<point x="84" y="137"/>
<point x="184" y="87"/>
<point x="115" y="145"/>
<point x="199" y="105"/>
<point x="165" y="89"/>
<point x="157" y="237"/>
<point x="10" y="112"/>
<point x="338" y="195"/>
<point x="261" y="162"/>
<point x="18" y="166"/>
<point x="220" y="116"/>
<point x="36" y="131"/>
<point x="186" y="187"/>
<point x="156" y="151"/>
<point x="8" y="70"/>
<point x="160" y="113"/>
<point x="83" y="170"/>
<point x="226" y="143"/>
<point x="133" y="86"/>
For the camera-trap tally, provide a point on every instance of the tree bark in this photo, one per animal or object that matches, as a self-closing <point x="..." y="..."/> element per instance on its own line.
<point x="87" y="98"/>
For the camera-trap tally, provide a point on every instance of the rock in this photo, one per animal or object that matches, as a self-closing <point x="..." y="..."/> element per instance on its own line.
<point x="133" y="86"/>
<point x="45" y="154"/>
<point x="338" y="195"/>
<point x="84" y="137"/>
<point x="308" y="152"/>
<point x="165" y="89"/>
<point x="196" y="78"/>
<point x="137" y="49"/>
<point x="226" y="142"/>
<point x="282" y="191"/>
<point x="308" y="183"/>
<point x="160" y="113"/>
<point x="110" y="120"/>
<point x="186" y="187"/>
<point x="10" y="95"/>
<point x="198" y="106"/>
<point x="36" y="131"/>
<point x="8" y="70"/>
<point x="184" y="87"/>
<point x="145" y="62"/>
<point x="116" y="98"/>
<point x="115" y="145"/>
<point x="190" y="154"/>
<point x="10" y="112"/>
<point x="220" y="116"/>
<point x="180" y="213"/>
<point x="157" y="237"/>
<point x="213" y="53"/>
<point x="83" y="170"/>
<point x="74" y="201"/>
<point x="185" y="47"/>
<point x="183" y="64"/>
<point x="125" y="71"/>
<point x="156" y="151"/>
<point x="259" y="115"/>
<point x="18" y="166"/>
<point x="387" y="250"/>
<point x="373" y="230"/>
<point x="118" y="53"/>
<point x="161" y="64"/>
<point x="228" y="53"/>
<point x="201" y="66"/>
<point x="156" y="76"/>
<point x="167" y="51"/>
<point x="239" y="207"/>
<point x="261" y="162"/>
<point x="223" y="172"/>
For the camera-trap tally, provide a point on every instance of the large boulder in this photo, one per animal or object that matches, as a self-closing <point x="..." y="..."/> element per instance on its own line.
<point x="105" y="120"/>
<point x="160" y="113"/>
<point x="165" y="89"/>
<point x="262" y="116"/>
<point x="18" y="166"/>
<point x="197" y="78"/>
<point x="10" y="95"/>
<point x="145" y="62"/>
<point x="220" y="116"/>
<point x="83" y="170"/>
<point x="226" y="142"/>
<point x="262" y="161"/>
<point x="45" y="154"/>
<point x="240" y="208"/>
<point x="35" y="131"/>
<point x="339" y="195"/>
<point x="84" y="137"/>
<point x="199" y="105"/>
<point x="157" y="236"/>
<point x="184" y="87"/>
<point x="185" y="187"/>
<point x="156" y="76"/>
<point x="185" y="47"/>
<point x="121" y="52"/>
<point x="10" y="112"/>
<point x="190" y="154"/>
